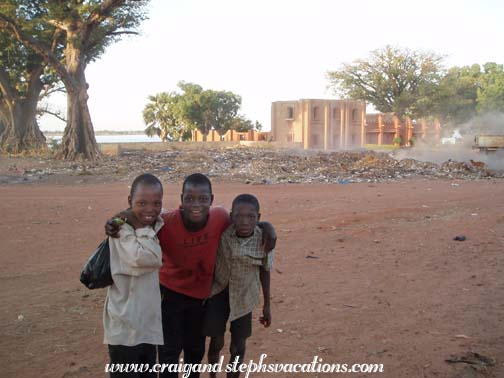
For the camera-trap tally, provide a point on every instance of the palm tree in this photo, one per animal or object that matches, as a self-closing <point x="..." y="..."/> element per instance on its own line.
<point x="162" y="115"/>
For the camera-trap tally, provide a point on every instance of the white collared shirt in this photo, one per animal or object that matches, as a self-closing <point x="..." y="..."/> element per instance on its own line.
<point x="132" y="311"/>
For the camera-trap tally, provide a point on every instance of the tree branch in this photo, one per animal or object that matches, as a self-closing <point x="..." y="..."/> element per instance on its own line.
<point x="53" y="90"/>
<point x="58" y="25"/>
<point x="47" y="111"/>
<point x="123" y="32"/>
<point x="49" y="57"/>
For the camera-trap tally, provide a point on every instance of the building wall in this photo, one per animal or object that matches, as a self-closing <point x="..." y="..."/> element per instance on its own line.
<point x="231" y="136"/>
<point x="319" y="124"/>
<point x="385" y="128"/>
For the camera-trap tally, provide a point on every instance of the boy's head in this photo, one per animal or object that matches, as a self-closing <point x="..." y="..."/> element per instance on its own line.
<point x="196" y="199"/>
<point x="245" y="214"/>
<point x="146" y="198"/>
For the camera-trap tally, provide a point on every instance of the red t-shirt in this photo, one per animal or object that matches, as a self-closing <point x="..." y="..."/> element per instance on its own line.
<point x="189" y="257"/>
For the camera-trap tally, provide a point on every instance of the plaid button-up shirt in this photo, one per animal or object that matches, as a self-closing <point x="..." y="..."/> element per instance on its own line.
<point x="237" y="266"/>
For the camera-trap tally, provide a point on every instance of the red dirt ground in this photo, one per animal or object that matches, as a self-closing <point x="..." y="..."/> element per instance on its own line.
<point x="387" y="284"/>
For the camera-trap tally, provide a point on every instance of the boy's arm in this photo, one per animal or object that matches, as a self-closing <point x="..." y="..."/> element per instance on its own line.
<point x="136" y="252"/>
<point x="265" y="277"/>
<point x="269" y="237"/>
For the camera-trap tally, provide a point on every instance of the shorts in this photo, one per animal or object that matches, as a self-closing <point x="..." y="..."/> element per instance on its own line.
<point x="217" y="314"/>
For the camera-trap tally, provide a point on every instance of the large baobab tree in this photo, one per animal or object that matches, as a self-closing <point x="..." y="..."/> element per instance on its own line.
<point x="88" y="27"/>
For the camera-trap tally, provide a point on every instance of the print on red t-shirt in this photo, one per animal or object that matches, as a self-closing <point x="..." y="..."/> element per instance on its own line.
<point x="189" y="257"/>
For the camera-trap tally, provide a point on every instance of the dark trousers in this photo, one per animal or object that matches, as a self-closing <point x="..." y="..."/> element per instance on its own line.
<point x="138" y="354"/>
<point x="182" y="324"/>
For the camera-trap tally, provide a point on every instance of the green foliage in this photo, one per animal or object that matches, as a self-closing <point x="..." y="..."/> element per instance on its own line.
<point x="208" y="109"/>
<point x="400" y="81"/>
<point x="33" y="30"/>
<point x="50" y="21"/>
<point x="19" y="62"/>
<point x="242" y="124"/>
<point x="456" y="98"/>
<point x="105" y="26"/>
<point x="173" y="116"/>
<point x="491" y="90"/>
<point x="163" y="117"/>
<point x="397" y="141"/>
<point x="468" y="92"/>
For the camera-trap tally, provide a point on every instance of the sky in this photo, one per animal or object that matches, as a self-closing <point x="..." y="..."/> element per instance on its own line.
<point x="273" y="50"/>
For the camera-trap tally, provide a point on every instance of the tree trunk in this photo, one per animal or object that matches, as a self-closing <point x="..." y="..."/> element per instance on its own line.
<point x="21" y="132"/>
<point x="78" y="139"/>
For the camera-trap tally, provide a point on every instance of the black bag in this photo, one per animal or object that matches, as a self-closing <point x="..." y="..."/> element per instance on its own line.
<point x="96" y="273"/>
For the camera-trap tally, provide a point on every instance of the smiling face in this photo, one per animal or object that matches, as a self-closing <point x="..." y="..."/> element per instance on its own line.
<point x="146" y="203"/>
<point x="196" y="201"/>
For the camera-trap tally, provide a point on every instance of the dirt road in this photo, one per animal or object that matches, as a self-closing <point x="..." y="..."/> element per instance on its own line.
<point x="365" y="273"/>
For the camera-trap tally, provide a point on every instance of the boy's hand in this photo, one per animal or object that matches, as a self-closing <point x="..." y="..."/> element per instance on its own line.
<point x="129" y="217"/>
<point x="114" y="224"/>
<point x="265" y="320"/>
<point x="269" y="237"/>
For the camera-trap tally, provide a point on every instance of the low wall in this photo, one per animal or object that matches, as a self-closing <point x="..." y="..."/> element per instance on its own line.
<point x="263" y="144"/>
<point x="118" y="148"/>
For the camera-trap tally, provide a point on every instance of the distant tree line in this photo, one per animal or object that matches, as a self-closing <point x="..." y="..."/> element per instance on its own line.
<point x="174" y="115"/>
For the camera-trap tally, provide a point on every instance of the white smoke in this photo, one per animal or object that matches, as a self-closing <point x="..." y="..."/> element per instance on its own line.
<point x="459" y="145"/>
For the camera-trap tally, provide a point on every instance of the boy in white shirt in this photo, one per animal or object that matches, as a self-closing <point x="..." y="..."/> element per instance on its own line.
<point x="132" y="311"/>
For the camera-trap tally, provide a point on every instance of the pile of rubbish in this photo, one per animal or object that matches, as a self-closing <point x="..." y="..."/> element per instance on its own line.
<point x="268" y="166"/>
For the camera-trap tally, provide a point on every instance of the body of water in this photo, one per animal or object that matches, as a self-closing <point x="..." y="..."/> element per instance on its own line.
<point x="133" y="138"/>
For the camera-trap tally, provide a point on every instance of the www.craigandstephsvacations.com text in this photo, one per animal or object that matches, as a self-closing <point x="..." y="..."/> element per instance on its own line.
<point x="315" y="366"/>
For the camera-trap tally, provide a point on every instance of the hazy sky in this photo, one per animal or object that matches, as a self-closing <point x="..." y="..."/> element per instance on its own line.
<point x="274" y="50"/>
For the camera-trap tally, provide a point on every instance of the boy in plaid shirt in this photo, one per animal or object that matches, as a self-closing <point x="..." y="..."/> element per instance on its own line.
<point x="242" y="268"/>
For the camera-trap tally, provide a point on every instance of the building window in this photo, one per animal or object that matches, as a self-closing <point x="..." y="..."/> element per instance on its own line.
<point x="354" y="114"/>
<point x="335" y="113"/>
<point x="290" y="112"/>
<point x="314" y="140"/>
<point x="316" y="113"/>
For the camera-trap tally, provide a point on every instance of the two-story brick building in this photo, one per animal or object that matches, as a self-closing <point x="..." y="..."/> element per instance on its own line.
<point x="319" y="124"/>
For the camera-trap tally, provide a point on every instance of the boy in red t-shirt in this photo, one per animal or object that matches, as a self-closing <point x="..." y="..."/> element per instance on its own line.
<point x="189" y="241"/>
